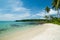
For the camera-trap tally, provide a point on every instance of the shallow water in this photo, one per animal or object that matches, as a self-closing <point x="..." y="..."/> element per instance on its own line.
<point x="11" y="26"/>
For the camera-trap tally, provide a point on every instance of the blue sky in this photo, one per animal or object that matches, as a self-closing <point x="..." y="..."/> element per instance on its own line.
<point x="37" y="4"/>
<point x="23" y="9"/>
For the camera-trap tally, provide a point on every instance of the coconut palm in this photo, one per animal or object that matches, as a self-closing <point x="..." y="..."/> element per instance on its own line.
<point x="46" y="17"/>
<point x="47" y="9"/>
<point x="56" y="6"/>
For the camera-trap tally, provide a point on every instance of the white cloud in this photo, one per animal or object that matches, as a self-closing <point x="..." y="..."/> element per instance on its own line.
<point x="52" y="12"/>
<point x="13" y="16"/>
<point x="15" y="3"/>
<point x="42" y="13"/>
<point x="17" y="11"/>
<point x="20" y="9"/>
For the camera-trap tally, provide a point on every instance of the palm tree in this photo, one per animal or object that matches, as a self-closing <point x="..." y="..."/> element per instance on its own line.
<point x="47" y="9"/>
<point x="46" y="17"/>
<point x="56" y="6"/>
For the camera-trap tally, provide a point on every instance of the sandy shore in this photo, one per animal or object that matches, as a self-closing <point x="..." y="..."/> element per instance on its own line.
<point x="39" y="32"/>
<point x="51" y="33"/>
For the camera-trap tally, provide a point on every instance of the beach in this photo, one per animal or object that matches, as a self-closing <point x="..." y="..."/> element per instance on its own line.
<point x="51" y="33"/>
<point x="46" y="31"/>
<point x="29" y="19"/>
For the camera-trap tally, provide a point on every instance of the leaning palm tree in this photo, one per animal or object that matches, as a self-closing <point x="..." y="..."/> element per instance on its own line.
<point x="56" y="6"/>
<point x="47" y="9"/>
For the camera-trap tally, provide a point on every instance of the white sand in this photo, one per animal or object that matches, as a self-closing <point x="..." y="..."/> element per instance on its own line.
<point x="51" y="33"/>
<point x="39" y="32"/>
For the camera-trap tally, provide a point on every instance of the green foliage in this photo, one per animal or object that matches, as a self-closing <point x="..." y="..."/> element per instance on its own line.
<point x="54" y="20"/>
<point x="47" y="9"/>
<point x="30" y="20"/>
<point x="46" y="17"/>
<point x="56" y="4"/>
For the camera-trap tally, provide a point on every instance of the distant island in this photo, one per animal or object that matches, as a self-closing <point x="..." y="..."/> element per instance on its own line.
<point x="31" y="20"/>
<point x="54" y="20"/>
<point x="38" y="21"/>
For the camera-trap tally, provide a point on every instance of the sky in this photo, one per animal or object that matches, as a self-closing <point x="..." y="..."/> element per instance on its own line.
<point x="24" y="9"/>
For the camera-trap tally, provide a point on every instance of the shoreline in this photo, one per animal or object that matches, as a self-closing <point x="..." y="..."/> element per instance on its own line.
<point x="30" y="34"/>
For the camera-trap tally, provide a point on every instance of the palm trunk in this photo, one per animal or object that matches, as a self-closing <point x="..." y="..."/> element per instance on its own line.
<point x="58" y="13"/>
<point x="46" y="15"/>
<point x="49" y="17"/>
<point x="57" y="8"/>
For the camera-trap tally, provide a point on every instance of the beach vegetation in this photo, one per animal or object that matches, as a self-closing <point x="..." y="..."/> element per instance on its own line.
<point x="47" y="9"/>
<point x="56" y="6"/>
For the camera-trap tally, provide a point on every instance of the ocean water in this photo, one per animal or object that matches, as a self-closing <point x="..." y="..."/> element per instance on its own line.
<point x="11" y="26"/>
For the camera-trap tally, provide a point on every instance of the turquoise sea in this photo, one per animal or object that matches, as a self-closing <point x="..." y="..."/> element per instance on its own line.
<point x="11" y="26"/>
